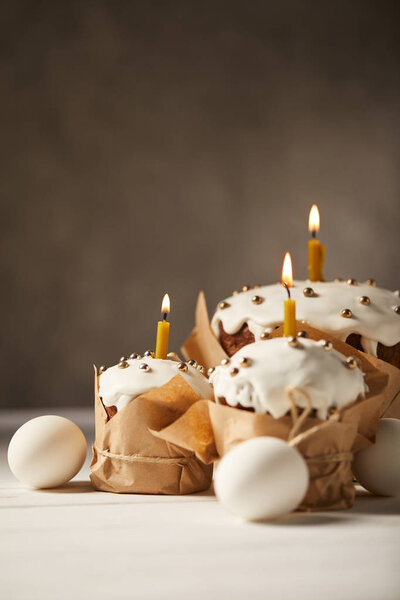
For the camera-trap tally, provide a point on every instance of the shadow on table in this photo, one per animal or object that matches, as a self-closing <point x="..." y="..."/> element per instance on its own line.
<point x="73" y="487"/>
<point x="369" y="504"/>
<point x="301" y="519"/>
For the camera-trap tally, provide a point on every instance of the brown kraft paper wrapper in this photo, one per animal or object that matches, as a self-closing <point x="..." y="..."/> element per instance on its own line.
<point x="328" y="446"/>
<point x="128" y="458"/>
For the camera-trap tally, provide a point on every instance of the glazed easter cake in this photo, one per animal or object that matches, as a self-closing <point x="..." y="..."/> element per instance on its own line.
<point x="136" y="375"/>
<point x="133" y="401"/>
<point x="268" y="377"/>
<point x="365" y="316"/>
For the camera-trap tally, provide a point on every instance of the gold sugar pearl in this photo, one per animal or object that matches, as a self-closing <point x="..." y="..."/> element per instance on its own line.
<point x="123" y="364"/>
<point x="308" y="292"/>
<point x="173" y="356"/>
<point x="134" y="356"/>
<point x="235" y="292"/>
<point x="257" y="286"/>
<point x="225" y="361"/>
<point x="245" y="362"/>
<point x="182" y="367"/>
<point x="327" y="345"/>
<point x="192" y="363"/>
<point x="337" y="280"/>
<point x="123" y="359"/>
<point x="397" y="309"/>
<point x="246" y="288"/>
<point x="364" y="300"/>
<point x="149" y="353"/>
<point x="346" y="313"/>
<point x="265" y="335"/>
<point x="233" y="372"/>
<point x="351" y="281"/>
<point x="371" y="282"/>
<point x="302" y="334"/>
<point x="293" y="342"/>
<point x="210" y="371"/>
<point x="351" y="362"/>
<point x="102" y="369"/>
<point x="257" y="300"/>
<point x="144" y="367"/>
<point x="223" y="305"/>
<point x="201" y="369"/>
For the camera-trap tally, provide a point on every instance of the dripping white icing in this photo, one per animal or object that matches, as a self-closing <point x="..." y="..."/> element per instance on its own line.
<point x="275" y="366"/>
<point x="376" y="322"/>
<point x="117" y="387"/>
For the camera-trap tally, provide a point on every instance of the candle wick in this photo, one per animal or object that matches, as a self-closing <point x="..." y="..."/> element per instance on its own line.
<point x="165" y="316"/>
<point x="313" y="234"/>
<point x="285" y="285"/>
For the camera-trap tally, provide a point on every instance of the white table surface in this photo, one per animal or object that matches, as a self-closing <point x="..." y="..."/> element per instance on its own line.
<point x="77" y="543"/>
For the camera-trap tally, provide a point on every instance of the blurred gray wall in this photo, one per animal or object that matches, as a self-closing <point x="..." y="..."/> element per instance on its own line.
<point x="178" y="146"/>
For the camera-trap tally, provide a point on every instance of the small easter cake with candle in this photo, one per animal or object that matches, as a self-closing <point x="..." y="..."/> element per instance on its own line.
<point x="360" y="313"/>
<point x="136" y="375"/>
<point x="271" y="377"/>
<point x="134" y="400"/>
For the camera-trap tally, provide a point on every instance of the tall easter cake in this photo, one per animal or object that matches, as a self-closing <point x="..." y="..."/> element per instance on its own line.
<point x="365" y="316"/>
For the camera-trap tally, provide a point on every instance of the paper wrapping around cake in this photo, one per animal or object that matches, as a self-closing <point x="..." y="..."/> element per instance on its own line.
<point x="327" y="446"/>
<point x="128" y="458"/>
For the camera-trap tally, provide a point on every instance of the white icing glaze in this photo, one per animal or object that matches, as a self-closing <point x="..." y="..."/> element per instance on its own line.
<point x="276" y="366"/>
<point x="117" y="387"/>
<point x="377" y="322"/>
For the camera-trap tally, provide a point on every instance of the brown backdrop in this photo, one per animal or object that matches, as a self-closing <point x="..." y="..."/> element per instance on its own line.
<point x="172" y="146"/>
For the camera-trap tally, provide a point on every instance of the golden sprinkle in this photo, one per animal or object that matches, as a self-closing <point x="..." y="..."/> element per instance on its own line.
<point x="192" y="363"/>
<point x="351" y="281"/>
<point x="123" y="364"/>
<point x="134" y="356"/>
<point x="182" y="367"/>
<point x="302" y="334"/>
<point x="102" y="369"/>
<point x="257" y="300"/>
<point x="265" y="335"/>
<point x="235" y="292"/>
<point x="225" y="361"/>
<point x="351" y="362"/>
<point x="144" y="367"/>
<point x="327" y="346"/>
<point x="371" y="282"/>
<point x="364" y="300"/>
<point x="245" y="362"/>
<point x="346" y="313"/>
<point x="397" y="309"/>
<point x="308" y="292"/>
<point x="293" y="342"/>
<point x="223" y="305"/>
<point x="210" y="371"/>
<point x="233" y="372"/>
<point x="246" y="288"/>
<point x="123" y="359"/>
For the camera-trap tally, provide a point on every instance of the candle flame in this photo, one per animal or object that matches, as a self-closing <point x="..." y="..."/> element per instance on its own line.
<point x="166" y="305"/>
<point x="313" y="221"/>
<point x="287" y="270"/>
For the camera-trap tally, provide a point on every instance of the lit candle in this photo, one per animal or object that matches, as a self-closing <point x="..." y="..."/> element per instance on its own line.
<point x="289" y="323"/>
<point x="163" y="330"/>
<point x="316" y="250"/>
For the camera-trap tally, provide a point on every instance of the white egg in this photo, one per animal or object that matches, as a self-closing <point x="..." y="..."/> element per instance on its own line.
<point x="261" y="478"/>
<point x="377" y="468"/>
<point x="47" y="451"/>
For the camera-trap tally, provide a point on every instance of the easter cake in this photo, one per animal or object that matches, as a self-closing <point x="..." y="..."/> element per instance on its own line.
<point x="136" y="375"/>
<point x="273" y="376"/>
<point x="361" y="314"/>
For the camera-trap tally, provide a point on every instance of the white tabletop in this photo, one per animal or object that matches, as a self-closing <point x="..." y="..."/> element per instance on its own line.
<point x="77" y="543"/>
